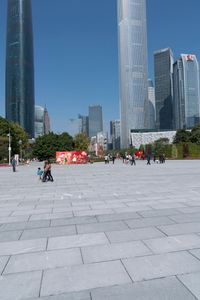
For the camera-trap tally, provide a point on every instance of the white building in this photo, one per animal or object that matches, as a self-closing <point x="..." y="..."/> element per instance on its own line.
<point x="144" y="138"/>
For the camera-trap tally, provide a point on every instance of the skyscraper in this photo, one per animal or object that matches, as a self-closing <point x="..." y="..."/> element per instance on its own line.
<point x="47" y="125"/>
<point x="39" y="121"/>
<point x="132" y="29"/>
<point x="20" y="65"/>
<point x="186" y="92"/>
<point x="151" y="103"/>
<point x="95" y="120"/>
<point x="163" y="67"/>
<point x="84" y="124"/>
<point x="115" y="134"/>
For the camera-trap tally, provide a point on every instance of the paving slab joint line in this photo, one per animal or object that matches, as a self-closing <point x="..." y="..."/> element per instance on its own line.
<point x="47" y="243"/>
<point x="192" y="253"/>
<point x="186" y="287"/>
<point x="151" y="251"/>
<point x="161" y="231"/>
<point x="21" y="234"/>
<point x="41" y="283"/>
<point x="107" y="238"/>
<point x="173" y="220"/>
<point x="126" y="271"/>
<point x="6" y="265"/>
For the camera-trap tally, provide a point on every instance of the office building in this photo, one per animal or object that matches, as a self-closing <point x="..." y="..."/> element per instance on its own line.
<point x="186" y="92"/>
<point x="47" y="126"/>
<point x="39" y="121"/>
<point x="95" y="120"/>
<point x="151" y="104"/>
<point x="133" y="62"/>
<point x="163" y="67"/>
<point x="20" y="65"/>
<point x="84" y="123"/>
<point x="115" y="134"/>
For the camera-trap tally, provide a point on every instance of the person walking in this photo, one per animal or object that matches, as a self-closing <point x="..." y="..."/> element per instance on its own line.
<point x="47" y="172"/>
<point x="148" y="159"/>
<point x="133" y="160"/>
<point x="113" y="159"/>
<point x="14" y="163"/>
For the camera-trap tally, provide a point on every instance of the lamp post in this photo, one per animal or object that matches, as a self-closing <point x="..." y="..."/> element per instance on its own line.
<point x="20" y="143"/>
<point x="9" y="148"/>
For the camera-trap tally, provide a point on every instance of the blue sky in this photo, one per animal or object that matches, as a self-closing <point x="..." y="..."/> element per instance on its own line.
<point x="76" y="59"/>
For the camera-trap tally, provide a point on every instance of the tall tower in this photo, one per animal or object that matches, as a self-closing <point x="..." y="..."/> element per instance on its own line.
<point x="20" y="102"/>
<point x="132" y="31"/>
<point x="163" y="67"/>
<point x="186" y="92"/>
<point x="95" y="120"/>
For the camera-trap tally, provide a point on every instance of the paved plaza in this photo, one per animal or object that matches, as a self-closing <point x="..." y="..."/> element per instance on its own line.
<point x="101" y="232"/>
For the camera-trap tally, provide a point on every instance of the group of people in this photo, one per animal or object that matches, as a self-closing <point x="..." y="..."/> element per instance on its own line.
<point x="45" y="175"/>
<point x="109" y="158"/>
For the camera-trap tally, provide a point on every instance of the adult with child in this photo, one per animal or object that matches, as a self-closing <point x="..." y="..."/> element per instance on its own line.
<point x="47" y="172"/>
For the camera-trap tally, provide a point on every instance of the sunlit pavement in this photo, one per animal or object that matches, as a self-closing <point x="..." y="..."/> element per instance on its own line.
<point x="101" y="232"/>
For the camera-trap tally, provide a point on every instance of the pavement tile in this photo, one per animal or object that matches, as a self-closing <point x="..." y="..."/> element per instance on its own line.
<point x="114" y="251"/>
<point x="51" y="216"/>
<point x="24" y="225"/>
<point x="101" y="227"/>
<point x="17" y="247"/>
<point x="48" y="232"/>
<point x="6" y="236"/>
<point x="43" y="260"/>
<point x="133" y="234"/>
<point x="183" y="228"/>
<point x="118" y="217"/>
<point x="20" y="286"/>
<point x="192" y="282"/>
<point x="148" y="222"/>
<point x="74" y="221"/>
<point x="14" y="219"/>
<point x="157" y="289"/>
<point x="69" y="296"/>
<point x="93" y="212"/>
<point x="79" y="240"/>
<point x="158" y="213"/>
<point x="31" y="212"/>
<point x="79" y="278"/>
<point x="173" y="243"/>
<point x="186" y="218"/>
<point x="163" y="265"/>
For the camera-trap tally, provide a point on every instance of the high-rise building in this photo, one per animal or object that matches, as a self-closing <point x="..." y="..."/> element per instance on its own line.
<point x="133" y="62"/>
<point x="20" y="65"/>
<point x="39" y="121"/>
<point x="95" y="120"/>
<point x="47" y="126"/>
<point x="151" y="104"/>
<point x="163" y="66"/>
<point x="84" y="124"/>
<point x="186" y="92"/>
<point x="115" y="134"/>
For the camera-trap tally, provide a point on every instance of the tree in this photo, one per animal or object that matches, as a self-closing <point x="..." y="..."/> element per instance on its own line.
<point x="17" y="134"/>
<point x="45" y="146"/>
<point x="182" y="136"/>
<point x="81" y="142"/>
<point x="162" y="141"/>
<point x="195" y="135"/>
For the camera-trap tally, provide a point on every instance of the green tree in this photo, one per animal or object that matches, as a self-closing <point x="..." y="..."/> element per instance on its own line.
<point x="17" y="134"/>
<point x="195" y="135"/>
<point x="81" y="142"/>
<point x="182" y="136"/>
<point x="45" y="146"/>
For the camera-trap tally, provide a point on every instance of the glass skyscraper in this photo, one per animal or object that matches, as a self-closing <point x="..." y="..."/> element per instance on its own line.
<point x="151" y="103"/>
<point x="186" y="92"/>
<point x="20" y="65"/>
<point x="132" y="29"/>
<point x="163" y="67"/>
<point x="95" y="120"/>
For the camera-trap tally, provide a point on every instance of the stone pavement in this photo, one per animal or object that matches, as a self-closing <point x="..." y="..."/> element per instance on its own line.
<point x="101" y="232"/>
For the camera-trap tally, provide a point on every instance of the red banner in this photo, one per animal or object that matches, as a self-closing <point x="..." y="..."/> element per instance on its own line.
<point x="71" y="157"/>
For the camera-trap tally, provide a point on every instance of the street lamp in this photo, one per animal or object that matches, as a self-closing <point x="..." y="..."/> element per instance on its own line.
<point x="20" y="143"/>
<point x="9" y="148"/>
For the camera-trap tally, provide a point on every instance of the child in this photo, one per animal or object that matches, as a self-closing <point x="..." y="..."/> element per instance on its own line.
<point x="39" y="173"/>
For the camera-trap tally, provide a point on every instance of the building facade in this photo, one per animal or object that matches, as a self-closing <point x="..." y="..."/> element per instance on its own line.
<point x="20" y="99"/>
<point x="39" y="121"/>
<point x="186" y="92"/>
<point x="84" y="123"/>
<point x="95" y="120"/>
<point x="132" y="32"/>
<point x="163" y="67"/>
<point x="151" y="103"/>
<point x="47" y="125"/>
<point x="115" y="134"/>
